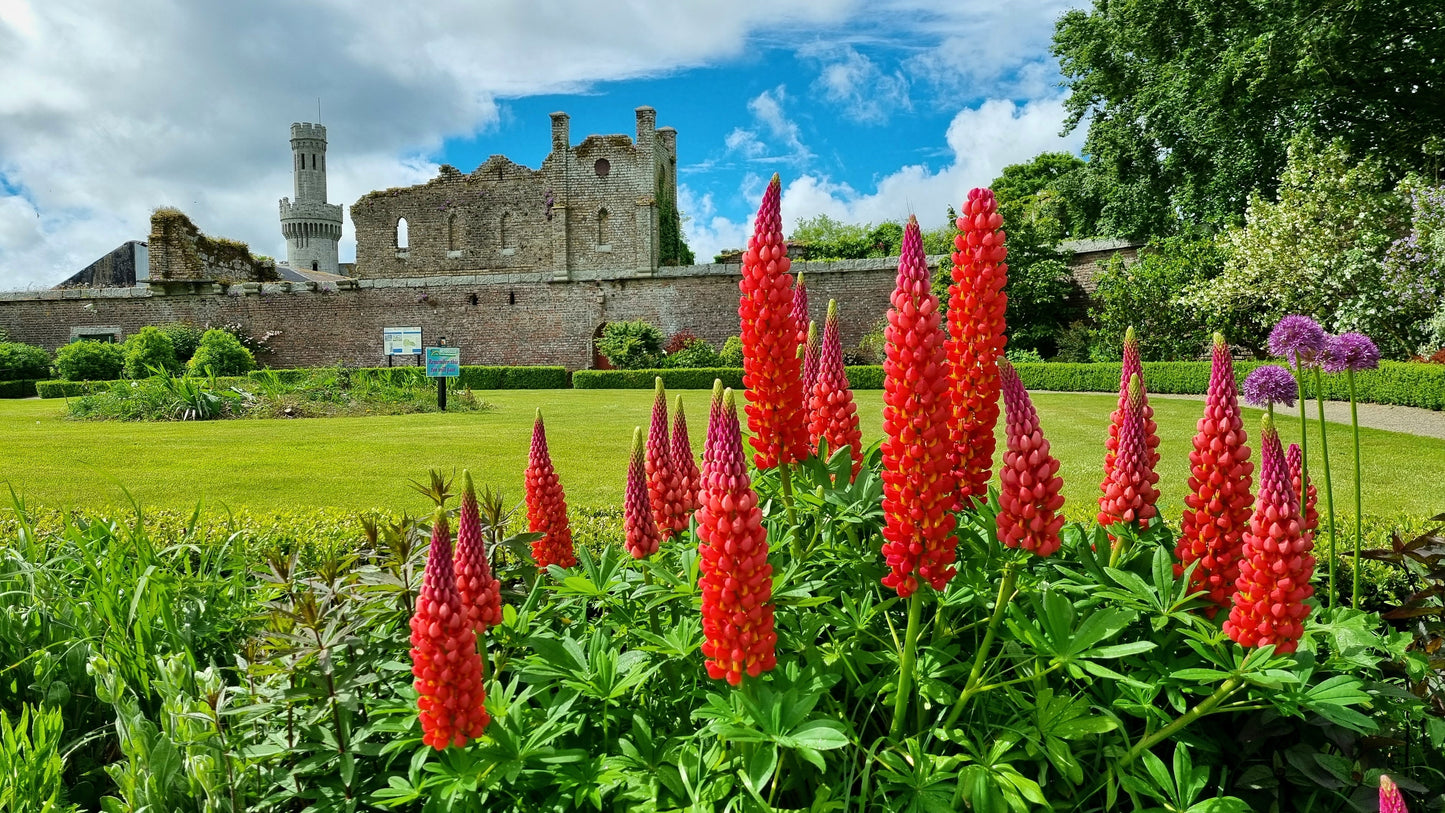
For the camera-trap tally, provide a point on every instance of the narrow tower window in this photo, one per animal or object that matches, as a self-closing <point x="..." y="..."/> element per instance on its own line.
<point x="602" y="227"/>
<point x="453" y="237"/>
<point x="401" y="240"/>
<point x="504" y="233"/>
<point x="313" y="160"/>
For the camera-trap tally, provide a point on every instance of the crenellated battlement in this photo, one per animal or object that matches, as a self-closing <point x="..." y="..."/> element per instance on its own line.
<point x="303" y="129"/>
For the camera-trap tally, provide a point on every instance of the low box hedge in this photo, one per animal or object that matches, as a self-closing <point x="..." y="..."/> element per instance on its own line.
<point x="68" y="389"/>
<point x="19" y="388"/>
<point x="475" y="377"/>
<point x="696" y="378"/>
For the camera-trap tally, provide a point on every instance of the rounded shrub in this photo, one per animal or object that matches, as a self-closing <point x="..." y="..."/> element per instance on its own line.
<point x="731" y="354"/>
<point x="87" y="360"/>
<point x="220" y="353"/>
<point x="184" y="336"/>
<point x="148" y="351"/>
<point x="23" y="361"/>
<point x="695" y="353"/>
<point x="631" y="345"/>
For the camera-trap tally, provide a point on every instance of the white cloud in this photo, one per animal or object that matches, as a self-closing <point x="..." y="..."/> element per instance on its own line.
<point x="745" y="142"/>
<point x="707" y="232"/>
<point x="856" y="84"/>
<point x="108" y="109"/>
<point x="982" y="140"/>
<point x="767" y="109"/>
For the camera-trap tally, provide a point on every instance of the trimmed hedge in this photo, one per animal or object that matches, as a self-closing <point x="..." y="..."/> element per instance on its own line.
<point x="69" y="389"/>
<point x="21" y="388"/>
<point x="476" y="377"/>
<point x="697" y="378"/>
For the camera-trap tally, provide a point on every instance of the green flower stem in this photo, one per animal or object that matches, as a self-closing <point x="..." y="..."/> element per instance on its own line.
<point x="1205" y="706"/>
<point x="1005" y="594"/>
<point x="906" y="660"/>
<point x="785" y="474"/>
<point x="1359" y="499"/>
<point x="1329" y="488"/>
<point x="1304" y="464"/>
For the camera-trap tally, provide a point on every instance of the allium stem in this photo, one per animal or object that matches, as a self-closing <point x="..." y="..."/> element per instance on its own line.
<point x="1329" y="490"/>
<point x="1304" y="448"/>
<point x="1005" y="595"/>
<point x="1359" y="496"/>
<point x="906" y="661"/>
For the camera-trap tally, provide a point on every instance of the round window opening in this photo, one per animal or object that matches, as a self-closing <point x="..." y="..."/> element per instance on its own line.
<point x="603" y="166"/>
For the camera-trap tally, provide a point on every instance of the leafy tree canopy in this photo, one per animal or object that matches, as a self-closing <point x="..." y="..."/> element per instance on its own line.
<point x="1191" y="105"/>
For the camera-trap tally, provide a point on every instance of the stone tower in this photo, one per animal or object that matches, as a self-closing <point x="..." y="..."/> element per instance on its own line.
<point x="311" y="225"/>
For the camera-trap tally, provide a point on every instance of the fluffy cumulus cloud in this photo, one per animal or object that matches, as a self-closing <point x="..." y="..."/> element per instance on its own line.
<point x="861" y="89"/>
<point x="108" y="110"/>
<point x="981" y="140"/>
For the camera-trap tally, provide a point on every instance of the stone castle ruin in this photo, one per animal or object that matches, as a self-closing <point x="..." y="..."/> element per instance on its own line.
<point x="514" y="265"/>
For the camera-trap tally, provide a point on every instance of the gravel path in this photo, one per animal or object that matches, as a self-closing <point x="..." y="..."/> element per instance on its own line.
<point x="1410" y="420"/>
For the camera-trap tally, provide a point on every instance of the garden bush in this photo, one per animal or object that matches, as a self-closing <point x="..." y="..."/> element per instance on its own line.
<point x="630" y="345"/>
<point x="22" y="388"/>
<point x="731" y="354"/>
<point x="221" y="353"/>
<point x="694" y="353"/>
<point x="89" y="361"/>
<point x="23" y="361"/>
<point x="185" y="338"/>
<point x="149" y="350"/>
<point x="684" y="379"/>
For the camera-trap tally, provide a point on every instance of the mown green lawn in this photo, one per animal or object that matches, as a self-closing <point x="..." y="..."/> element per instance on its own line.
<point x="359" y="463"/>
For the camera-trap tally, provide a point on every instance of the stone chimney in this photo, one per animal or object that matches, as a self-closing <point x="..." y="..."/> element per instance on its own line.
<point x="560" y="136"/>
<point x="646" y="128"/>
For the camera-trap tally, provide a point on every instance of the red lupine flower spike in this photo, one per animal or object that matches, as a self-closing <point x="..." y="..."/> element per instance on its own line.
<point x="976" y="306"/>
<point x="664" y="494"/>
<point x="918" y="483"/>
<point x="1294" y="458"/>
<point x="1217" y="507"/>
<point x="638" y="525"/>
<point x="481" y="592"/>
<point x="832" y="415"/>
<point x="811" y="358"/>
<point x="1029" y="482"/>
<point x="688" y="476"/>
<point x="1129" y="493"/>
<point x="445" y="662"/>
<point x="1274" y="576"/>
<point x="800" y="310"/>
<point x="547" y="506"/>
<point x="772" y="370"/>
<point x="1132" y="366"/>
<point x="1391" y="800"/>
<point x="735" y="578"/>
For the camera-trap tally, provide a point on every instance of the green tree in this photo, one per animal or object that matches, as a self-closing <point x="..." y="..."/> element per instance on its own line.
<point x="220" y="353"/>
<point x="22" y="361"/>
<point x="1315" y="250"/>
<point x="1049" y="193"/>
<point x="1147" y="295"/>
<point x="148" y="349"/>
<point x="1190" y="106"/>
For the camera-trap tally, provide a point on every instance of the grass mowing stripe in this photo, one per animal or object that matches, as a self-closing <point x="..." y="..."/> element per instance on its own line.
<point x="360" y="463"/>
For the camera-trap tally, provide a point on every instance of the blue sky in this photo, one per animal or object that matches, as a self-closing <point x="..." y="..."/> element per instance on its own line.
<point x="868" y="111"/>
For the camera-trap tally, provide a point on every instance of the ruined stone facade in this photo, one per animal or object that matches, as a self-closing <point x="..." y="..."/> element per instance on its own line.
<point x="594" y="207"/>
<point x="310" y="225"/>
<point x="181" y="256"/>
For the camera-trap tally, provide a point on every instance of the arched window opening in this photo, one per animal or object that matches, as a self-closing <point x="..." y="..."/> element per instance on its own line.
<point x="315" y="266"/>
<point x="313" y="160"/>
<point x="602" y="227"/>
<point x="504" y="232"/>
<point x="453" y="236"/>
<point x="401" y="230"/>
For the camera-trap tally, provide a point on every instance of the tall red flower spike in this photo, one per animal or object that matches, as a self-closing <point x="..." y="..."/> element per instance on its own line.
<point x="1294" y="458"/>
<point x="811" y="357"/>
<point x="1129" y="492"/>
<point x="688" y="477"/>
<point x="638" y="525"/>
<point x="976" y="305"/>
<point x="1391" y="800"/>
<point x="832" y="415"/>
<point x="668" y="511"/>
<point x="1029" y="482"/>
<point x="1274" y="577"/>
<point x="481" y="592"/>
<point x="735" y="578"/>
<point x="1132" y="366"/>
<point x="444" y="657"/>
<point x="1217" y="507"/>
<point x="800" y="309"/>
<point x="772" y="371"/>
<point x="918" y="484"/>
<point x="547" y="506"/>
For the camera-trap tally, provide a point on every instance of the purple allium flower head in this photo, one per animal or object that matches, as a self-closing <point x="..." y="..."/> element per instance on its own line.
<point x="1297" y="339"/>
<point x="1350" y="351"/>
<point x="1270" y="384"/>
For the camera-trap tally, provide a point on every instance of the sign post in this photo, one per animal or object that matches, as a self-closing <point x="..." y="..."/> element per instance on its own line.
<point x="442" y="363"/>
<point x="401" y="341"/>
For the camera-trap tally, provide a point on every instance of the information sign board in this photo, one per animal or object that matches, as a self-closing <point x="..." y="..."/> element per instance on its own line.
<point x="443" y="362"/>
<point x="401" y="341"/>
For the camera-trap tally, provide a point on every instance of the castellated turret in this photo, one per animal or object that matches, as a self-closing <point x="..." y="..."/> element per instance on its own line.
<point x="311" y="226"/>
